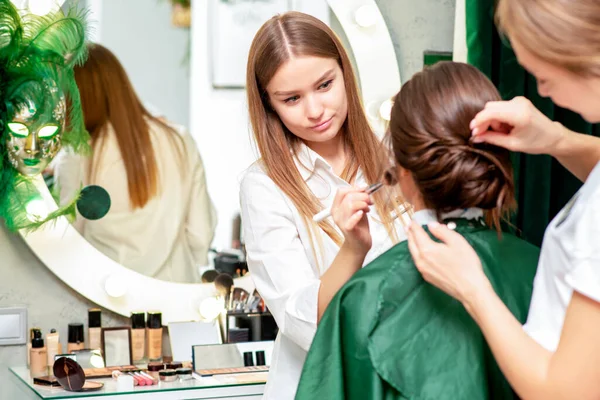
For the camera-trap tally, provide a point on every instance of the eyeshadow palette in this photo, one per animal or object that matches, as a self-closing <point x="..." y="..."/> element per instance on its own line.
<point x="107" y="372"/>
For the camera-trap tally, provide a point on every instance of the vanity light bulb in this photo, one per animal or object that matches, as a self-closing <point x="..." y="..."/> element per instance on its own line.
<point x="115" y="286"/>
<point x="41" y="7"/>
<point x="96" y="360"/>
<point x="211" y="307"/>
<point x="36" y="210"/>
<point x="385" y="110"/>
<point x="366" y="16"/>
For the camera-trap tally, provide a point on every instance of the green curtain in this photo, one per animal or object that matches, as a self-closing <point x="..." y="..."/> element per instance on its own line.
<point x="543" y="186"/>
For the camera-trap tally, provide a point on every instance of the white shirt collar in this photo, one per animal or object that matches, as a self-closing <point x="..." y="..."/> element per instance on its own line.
<point x="306" y="160"/>
<point x="423" y="217"/>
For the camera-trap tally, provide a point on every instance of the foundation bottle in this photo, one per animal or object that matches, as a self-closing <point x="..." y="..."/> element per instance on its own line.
<point x="138" y="336"/>
<point x="95" y="328"/>
<point x="31" y="331"/>
<point x="53" y="348"/>
<point x="154" y="326"/>
<point x="38" y="356"/>
<point x="76" y="341"/>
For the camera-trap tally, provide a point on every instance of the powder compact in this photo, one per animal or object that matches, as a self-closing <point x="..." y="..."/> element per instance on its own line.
<point x="184" y="373"/>
<point x="71" y="377"/>
<point x="168" y="375"/>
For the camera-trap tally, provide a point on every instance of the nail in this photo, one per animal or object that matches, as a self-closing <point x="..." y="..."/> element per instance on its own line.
<point x="472" y="124"/>
<point x="474" y="131"/>
<point x="477" y="139"/>
<point x="433" y="225"/>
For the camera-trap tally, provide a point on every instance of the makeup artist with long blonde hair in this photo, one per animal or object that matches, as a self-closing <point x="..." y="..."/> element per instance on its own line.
<point x="556" y="355"/>
<point x="317" y="150"/>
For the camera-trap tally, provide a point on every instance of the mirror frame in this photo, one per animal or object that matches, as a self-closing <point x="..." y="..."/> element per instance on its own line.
<point x="130" y="348"/>
<point x="87" y="270"/>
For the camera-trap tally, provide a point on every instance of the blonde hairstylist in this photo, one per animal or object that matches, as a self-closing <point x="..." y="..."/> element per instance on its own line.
<point x="556" y="355"/>
<point x="314" y="141"/>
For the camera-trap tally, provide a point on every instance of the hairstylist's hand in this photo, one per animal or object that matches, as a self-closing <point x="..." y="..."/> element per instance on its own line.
<point x="516" y="125"/>
<point x="349" y="212"/>
<point x="452" y="265"/>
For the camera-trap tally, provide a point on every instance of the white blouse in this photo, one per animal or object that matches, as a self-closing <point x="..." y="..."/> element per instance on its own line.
<point x="283" y="266"/>
<point x="569" y="261"/>
<point x="169" y="237"/>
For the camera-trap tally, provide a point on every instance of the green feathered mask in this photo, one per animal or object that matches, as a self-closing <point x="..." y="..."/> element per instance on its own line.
<point x="40" y="108"/>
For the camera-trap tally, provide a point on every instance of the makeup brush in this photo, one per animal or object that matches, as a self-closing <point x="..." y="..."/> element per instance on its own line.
<point x="327" y="212"/>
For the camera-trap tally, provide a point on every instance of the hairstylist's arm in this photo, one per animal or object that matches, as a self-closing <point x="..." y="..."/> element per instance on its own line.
<point x="534" y="372"/>
<point x="349" y="212"/>
<point x="518" y="126"/>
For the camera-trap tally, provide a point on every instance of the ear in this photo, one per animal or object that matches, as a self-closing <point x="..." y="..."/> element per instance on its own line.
<point x="401" y="172"/>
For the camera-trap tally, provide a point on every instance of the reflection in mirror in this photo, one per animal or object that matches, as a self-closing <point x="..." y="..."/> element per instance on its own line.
<point x="116" y="346"/>
<point x="135" y="97"/>
<point x="161" y="219"/>
<point x="89" y="358"/>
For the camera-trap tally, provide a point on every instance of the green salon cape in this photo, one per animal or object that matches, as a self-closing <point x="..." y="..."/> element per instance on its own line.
<point x="388" y="334"/>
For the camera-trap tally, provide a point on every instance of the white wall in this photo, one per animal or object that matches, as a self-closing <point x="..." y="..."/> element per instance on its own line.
<point x="140" y="34"/>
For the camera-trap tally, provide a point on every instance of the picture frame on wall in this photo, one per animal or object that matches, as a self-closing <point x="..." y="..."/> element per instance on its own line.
<point x="233" y="24"/>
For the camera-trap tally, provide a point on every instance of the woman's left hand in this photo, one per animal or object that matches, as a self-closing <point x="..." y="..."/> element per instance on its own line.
<point x="452" y="265"/>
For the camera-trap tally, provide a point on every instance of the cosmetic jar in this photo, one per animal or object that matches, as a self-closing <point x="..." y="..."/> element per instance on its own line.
<point x="168" y="375"/>
<point x="184" y="373"/>
<point x="154" y="368"/>
<point x="174" y="365"/>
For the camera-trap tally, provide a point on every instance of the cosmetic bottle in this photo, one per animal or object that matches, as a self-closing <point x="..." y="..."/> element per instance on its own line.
<point x="138" y="336"/>
<point x="53" y="348"/>
<point x="38" y="356"/>
<point x="76" y="341"/>
<point x="31" y="331"/>
<point x="94" y="328"/>
<point x="154" y="324"/>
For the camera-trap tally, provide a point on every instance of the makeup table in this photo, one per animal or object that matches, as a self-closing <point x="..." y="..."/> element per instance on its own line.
<point x="248" y="386"/>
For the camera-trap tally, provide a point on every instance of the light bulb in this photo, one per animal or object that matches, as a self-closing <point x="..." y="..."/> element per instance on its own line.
<point x="36" y="210"/>
<point x="385" y="110"/>
<point x="41" y="7"/>
<point x="96" y="360"/>
<point x="366" y="16"/>
<point x="211" y="307"/>
<point x="115" y="286"/>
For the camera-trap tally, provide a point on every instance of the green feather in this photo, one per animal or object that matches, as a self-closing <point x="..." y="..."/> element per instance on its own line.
<point x="40" y="49"/>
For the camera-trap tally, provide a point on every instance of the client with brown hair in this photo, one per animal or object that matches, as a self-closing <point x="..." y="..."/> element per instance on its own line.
<point x="387" y="333"/>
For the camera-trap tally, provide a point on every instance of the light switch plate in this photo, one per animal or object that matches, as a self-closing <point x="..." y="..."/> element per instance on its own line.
<point x="13" y="326"/>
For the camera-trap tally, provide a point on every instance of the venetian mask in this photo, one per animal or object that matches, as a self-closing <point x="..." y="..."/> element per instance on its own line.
<point x="35" y="121"/>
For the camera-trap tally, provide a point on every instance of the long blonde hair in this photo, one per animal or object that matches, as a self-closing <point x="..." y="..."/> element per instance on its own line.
<point x="298" y="34"/>
<point x="108" y="97"/>
<point x="564" y="33"/>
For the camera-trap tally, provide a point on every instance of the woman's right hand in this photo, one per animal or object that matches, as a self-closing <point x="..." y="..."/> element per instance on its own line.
<point x="517" y="126"/>
<point x="349" y="212"/>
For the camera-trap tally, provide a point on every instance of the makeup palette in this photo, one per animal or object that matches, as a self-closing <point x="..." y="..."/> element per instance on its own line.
<point x="107" y="372"/>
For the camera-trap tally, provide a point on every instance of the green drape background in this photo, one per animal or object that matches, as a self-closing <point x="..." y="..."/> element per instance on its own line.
<point x="543" y="185"/>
